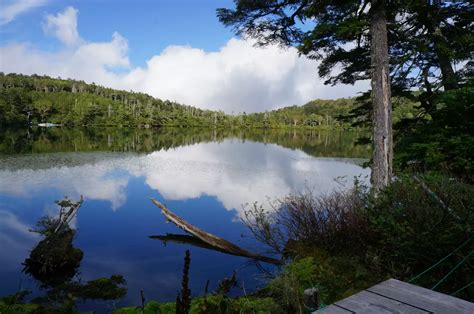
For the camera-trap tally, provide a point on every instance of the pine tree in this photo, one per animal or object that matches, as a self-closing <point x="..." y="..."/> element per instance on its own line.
<point x="423" y="38"/>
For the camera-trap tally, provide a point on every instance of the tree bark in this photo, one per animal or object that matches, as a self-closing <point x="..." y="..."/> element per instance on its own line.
<point x="448" y="76"/>
<point x="382" y="106"/>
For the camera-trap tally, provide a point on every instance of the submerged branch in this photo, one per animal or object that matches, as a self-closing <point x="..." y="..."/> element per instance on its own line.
<point x="210" y="240"/>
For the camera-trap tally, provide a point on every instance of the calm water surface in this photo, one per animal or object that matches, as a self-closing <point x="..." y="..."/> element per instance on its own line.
<point x="204" y="176"/>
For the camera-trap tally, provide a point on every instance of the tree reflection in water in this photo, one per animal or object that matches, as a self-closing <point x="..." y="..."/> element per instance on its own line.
<point x="54" y="262"/>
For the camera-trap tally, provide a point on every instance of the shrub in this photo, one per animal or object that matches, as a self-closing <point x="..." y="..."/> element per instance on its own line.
<point x="332" y="221"/>
<point x="357" y="240"/>
<point x="287" y="288"/>
<point x="418" y="221"/>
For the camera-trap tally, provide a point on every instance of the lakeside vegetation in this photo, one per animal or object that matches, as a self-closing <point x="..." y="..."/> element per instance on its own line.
<point x="416" y="224"/>
<point x="339" y="243"/>
<point x="26" y="100"/>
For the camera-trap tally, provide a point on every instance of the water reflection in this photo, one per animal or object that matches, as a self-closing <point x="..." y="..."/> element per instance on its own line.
<point x="315" y="143"/>
<point x="204" y="176"/>
<point x="54" y="262"/>
<point x="234" y="172"/>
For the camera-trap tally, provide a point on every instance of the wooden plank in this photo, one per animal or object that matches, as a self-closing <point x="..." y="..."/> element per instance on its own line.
<point x="370" y="303"/>
<point x="422" y="298"/>
<point x="332" y="309"/>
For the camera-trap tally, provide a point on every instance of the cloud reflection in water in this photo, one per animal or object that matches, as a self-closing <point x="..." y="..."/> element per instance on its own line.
<point x="233" y="172"/>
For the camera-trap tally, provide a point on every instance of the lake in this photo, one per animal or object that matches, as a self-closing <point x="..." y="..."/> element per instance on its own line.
<point x="204" y="176"/>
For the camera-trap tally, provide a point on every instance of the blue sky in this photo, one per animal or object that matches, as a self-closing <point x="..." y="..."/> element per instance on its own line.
<point x="171" y="49"/>
<point x="149" y="26"/>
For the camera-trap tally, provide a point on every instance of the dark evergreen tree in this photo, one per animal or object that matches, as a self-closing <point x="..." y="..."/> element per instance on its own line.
<point x="354" y="31"/>
<point x="425" y="39"/>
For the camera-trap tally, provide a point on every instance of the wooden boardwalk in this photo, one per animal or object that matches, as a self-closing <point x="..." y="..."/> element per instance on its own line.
<point x="394" y="296"/>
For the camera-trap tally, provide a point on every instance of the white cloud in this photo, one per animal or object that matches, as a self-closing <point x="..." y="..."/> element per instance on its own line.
<point x="64" y="26"/>
<point x="9" y="10"/>
<point x="89" y="61"/>
<point x="238" y="77"/>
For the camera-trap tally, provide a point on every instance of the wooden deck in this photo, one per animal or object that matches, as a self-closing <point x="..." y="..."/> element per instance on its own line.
<point x="394" y="296"/>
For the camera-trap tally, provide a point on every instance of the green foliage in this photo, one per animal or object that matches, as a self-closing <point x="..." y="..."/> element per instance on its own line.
<point x="34" y="99"/>
<point x="15" y="304"/>
<point x="361" y="239"/>
<point x="220" y="304"/>
<point x="422" y="50"/>
<point x="446" y="141"/>
<point x="15" y="298"/>
<point x="15" y="106"/>
<point x="418" y="222"/>
<point x="335" y="275"/>
<point x="217" y="304"/>
<point x="251" y="305"/>
<point x="320" y="114"/>
<point x="287" y="288"/>
<point x="151" y="307"/>
<point x="337" y="34"/>
<point x="27" y="308"/>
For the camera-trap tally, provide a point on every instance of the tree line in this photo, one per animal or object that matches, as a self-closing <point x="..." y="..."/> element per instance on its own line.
<point x="36" y="99"/>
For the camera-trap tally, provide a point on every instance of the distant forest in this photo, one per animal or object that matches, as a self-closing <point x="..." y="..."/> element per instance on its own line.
<point x="28" y="100"/>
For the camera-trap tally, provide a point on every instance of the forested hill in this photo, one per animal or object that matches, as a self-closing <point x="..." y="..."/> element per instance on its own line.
<point x="34" y="99"/>
<point x="37" y="99"/>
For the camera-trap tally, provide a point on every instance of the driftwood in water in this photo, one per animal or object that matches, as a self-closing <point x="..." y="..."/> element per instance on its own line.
<point x="211" y="240"/>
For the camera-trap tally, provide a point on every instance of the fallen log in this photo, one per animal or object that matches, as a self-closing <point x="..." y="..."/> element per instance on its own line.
<point x="213" y="241"/>
<point x="186" y="239"/>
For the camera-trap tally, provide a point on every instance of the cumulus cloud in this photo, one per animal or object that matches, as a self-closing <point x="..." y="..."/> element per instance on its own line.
<point x="9" y="10"/>
<point x="238" y="77"/>
<point x="64" y="26"/>
<point x="91" y="62"/>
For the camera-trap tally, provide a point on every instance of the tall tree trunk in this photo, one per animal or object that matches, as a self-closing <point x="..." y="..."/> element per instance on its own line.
<point x="382" y="106"/>
<point x="432" y="22"/>
<point x="447" y="73"/>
